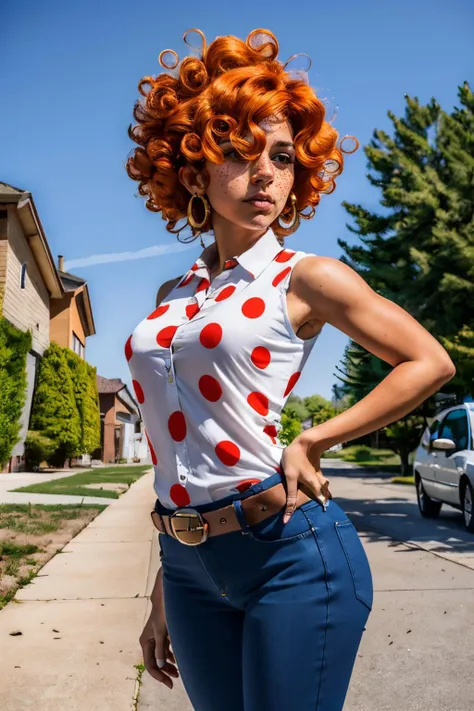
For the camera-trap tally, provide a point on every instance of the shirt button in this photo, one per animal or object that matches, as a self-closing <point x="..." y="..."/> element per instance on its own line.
<point x="182" y="477"/>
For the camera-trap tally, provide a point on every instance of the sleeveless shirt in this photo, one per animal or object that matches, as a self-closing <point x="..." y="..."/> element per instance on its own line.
<point x="212" y="368"/>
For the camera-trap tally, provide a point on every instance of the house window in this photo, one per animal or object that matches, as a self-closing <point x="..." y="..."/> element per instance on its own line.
<point x="77" y="346"/>
<point x="23" y="276"/>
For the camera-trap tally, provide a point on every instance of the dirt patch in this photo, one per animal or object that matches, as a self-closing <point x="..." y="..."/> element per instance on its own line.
<point x="110" y="486"/>
<point x="32" y="534"/>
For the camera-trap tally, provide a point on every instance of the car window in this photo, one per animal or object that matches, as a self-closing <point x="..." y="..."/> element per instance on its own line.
<point x="434" y="426"/>
<point x="455" y="427"/>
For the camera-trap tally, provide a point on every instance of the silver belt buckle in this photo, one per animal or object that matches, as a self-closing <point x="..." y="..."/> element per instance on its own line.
<point x="188" y="527"/>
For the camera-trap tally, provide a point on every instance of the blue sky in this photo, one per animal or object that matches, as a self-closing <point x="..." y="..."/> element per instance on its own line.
<point x="69" y="81"/>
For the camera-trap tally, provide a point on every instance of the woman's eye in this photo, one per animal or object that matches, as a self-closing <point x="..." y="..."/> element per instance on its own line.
<point x="288" y="159"/>
<point x="234" y="155"/>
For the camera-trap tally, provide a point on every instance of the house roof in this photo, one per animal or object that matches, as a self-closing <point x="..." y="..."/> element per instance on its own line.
<point x="57" y="282"/>
<point x="115" y="386"/>
<point x="34" y="234"/>
<point x="109" y="385"/>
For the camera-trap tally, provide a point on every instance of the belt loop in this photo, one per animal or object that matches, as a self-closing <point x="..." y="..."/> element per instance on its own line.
<point x="237" y="504"/>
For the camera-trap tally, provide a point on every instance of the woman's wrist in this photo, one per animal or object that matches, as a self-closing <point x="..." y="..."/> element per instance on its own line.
<point x="156" y="597"/>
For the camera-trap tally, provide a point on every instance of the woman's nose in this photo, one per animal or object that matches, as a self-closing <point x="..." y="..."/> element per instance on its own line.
<point x="263" y="169"/>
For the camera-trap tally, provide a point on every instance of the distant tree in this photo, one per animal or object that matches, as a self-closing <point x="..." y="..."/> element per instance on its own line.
<point x="290" y="428"/>
<point x="296" y="408"/>
<point x="54" y="411"/>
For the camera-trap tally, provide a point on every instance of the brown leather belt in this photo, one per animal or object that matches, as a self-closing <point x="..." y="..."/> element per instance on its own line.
<point x="192" y="528"/>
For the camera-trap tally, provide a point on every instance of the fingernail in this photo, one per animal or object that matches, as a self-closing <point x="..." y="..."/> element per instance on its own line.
<point x="161" y="663"/>
<point x="286" y="518"/>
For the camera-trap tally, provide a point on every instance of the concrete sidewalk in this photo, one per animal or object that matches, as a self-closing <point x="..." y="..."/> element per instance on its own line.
<point x="81" y="617"/>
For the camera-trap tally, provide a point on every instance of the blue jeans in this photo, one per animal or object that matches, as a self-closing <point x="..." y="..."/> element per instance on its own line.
<point x="269" y="618"/>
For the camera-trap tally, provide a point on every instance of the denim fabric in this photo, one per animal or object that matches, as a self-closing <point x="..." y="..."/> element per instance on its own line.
<point x="269" y="619"/>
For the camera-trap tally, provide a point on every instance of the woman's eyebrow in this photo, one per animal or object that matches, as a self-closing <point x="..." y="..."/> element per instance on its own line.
<point x="284" y="144"/>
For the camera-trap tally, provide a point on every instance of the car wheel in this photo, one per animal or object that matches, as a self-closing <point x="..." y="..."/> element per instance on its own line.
<point x="467" y="507"/>
<point x="428" y="507"/>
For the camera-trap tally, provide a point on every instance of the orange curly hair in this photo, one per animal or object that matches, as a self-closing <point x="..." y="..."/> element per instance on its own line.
<point x="227" y="92"/>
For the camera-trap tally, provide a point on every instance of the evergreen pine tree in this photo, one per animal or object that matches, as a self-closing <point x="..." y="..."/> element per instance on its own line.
<point x="418" y="251"/>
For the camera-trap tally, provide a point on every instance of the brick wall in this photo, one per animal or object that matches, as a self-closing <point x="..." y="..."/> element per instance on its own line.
<point x="26" y="308"/>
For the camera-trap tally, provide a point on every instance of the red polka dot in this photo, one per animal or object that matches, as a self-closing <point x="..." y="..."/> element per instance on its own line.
<point x="203" y="285"/>
<point x="177" y="426"/>
<point x="186" y="280"/>
<point x="179" y="495"/>
<point x="225" y="293"/>
<point x="195" y="267"/>
<point x="138" y="391"/>
<point x="280" y="276"/>
<point x="210" y="388"/>
<point x="165" y="336"/>
<point x="284" y="255"/>
<point x="152" y="451"/>
<point x="230" y="263"/>
<point x="211" y="335"/>
<point x="228" y="452"/>
<point x="260" y="357"/>
<point x="271" y="431"/>
<point x="258" y="402"/>
<point x="277" y="469"/>
<point x="158" y="312"/>
<point x="192" y="310"/>
<point x="244" y="485"/>
<point x="254" y="307"/>
<point x="291" y="383"/>
<point x="128" y="348"/>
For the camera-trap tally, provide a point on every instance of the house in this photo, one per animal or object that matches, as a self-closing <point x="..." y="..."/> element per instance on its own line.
<point x="36" y="295"/>
<point x="121" y="428"/>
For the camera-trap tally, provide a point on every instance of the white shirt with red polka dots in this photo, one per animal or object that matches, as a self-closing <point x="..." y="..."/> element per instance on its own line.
<point x="212" y="368"/>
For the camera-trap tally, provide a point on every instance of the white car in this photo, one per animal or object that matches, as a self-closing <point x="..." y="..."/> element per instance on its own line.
<point x="443" y="466"/>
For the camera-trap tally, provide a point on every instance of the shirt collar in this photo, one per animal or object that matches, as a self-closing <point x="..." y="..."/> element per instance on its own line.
<point x="253" y="260"/>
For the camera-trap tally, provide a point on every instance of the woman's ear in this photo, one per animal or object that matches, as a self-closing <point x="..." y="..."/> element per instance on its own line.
<point x="191" y="180"/>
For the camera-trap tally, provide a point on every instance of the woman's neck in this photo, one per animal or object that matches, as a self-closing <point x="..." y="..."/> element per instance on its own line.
<point x="231" y="240"/>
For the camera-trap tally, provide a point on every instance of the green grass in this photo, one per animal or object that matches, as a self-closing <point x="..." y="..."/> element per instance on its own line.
<point x="380" y="459"/>
<point x="404" y="480"/>
<point x="77" y="484"/>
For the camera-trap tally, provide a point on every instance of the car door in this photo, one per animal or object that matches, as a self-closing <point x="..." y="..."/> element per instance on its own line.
<point x="427" y="459"/>
<point x="455" y="426"/>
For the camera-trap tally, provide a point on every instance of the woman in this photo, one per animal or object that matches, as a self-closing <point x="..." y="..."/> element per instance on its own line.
<point x="265" y="588"/>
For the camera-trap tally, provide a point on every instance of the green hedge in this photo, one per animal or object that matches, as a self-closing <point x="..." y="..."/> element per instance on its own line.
<point x="65" y="406"/>
<point x="14" y="348"/>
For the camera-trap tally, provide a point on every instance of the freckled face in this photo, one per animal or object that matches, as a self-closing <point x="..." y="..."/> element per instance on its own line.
<point x="236" y="180"/>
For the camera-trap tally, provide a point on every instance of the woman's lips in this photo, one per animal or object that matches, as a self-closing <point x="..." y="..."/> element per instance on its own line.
<point x="261" y="204"/>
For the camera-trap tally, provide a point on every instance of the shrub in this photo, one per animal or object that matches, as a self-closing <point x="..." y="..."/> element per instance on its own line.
<point x="38" y="448"/>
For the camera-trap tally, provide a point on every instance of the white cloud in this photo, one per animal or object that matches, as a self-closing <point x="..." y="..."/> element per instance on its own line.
<point x="155" y="251"/>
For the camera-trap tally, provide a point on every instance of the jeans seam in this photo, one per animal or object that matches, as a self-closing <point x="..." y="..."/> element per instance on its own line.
<point x="328" y="588"/>
<point x="360" y="596"/>
<point x="210" y="578"/>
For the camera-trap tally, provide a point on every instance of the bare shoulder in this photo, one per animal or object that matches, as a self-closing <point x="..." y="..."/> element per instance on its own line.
<point x="165" y="289"/>
<point x="335" y="293"/>
<point x="327" y="284"/>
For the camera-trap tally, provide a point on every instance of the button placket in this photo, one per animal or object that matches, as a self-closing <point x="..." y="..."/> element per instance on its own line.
<point x="181" y="450"/>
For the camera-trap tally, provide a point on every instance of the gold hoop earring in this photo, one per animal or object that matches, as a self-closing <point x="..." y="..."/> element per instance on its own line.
<point x="294" y="221"/>
<point x="205" y="206"/>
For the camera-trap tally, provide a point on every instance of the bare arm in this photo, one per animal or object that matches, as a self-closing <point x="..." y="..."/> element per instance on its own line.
<point x="165" y="289"/>
<point x="339" y="296"/>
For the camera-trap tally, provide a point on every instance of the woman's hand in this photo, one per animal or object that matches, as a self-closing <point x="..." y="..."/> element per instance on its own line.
<point x="155" y="642"/>
<point x="301" y="473"/>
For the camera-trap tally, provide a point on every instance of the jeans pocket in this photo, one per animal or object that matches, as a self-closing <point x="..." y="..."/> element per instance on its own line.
<point x="273" y="530"/>
<point x="357" y="561"/>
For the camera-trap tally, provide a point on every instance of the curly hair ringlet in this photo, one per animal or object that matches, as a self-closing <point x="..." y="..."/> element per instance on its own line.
<point x="227" y="91"/>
